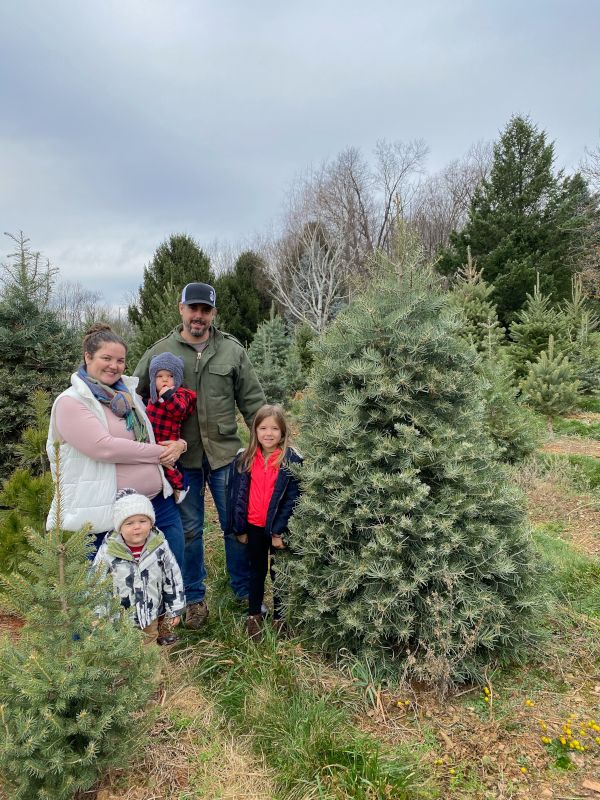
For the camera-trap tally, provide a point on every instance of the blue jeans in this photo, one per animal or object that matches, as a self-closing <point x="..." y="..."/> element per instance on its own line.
<point x="192" y="515"/>
<point x="168" y="520"/>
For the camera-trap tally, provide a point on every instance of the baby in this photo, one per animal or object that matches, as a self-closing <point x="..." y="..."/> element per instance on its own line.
<point x="169" y="406"/>
<point x="144" y="572"/>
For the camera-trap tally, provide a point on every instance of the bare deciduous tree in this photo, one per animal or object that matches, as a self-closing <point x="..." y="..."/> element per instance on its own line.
<point x="443" y="200"/>
<point x="75" y="304"/>
<point x="308" y="277"/>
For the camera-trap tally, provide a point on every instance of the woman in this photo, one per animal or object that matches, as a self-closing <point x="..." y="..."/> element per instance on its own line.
<point x="107" y="444"/>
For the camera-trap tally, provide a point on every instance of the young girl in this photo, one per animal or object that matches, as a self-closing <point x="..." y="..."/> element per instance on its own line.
<point x="262" y="493"/>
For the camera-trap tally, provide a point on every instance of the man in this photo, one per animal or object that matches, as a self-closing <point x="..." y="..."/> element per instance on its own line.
<point x="217" y="368"/>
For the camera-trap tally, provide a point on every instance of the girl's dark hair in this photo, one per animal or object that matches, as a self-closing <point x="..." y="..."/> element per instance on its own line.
<point x="98" y="334"/>
<point x="277" y="412"/>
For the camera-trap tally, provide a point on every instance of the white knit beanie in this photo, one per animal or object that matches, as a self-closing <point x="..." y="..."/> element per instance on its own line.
<point x="128" y="503"/>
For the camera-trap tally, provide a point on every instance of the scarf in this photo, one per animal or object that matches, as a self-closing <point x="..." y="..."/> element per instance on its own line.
<point x="118" y="398"/>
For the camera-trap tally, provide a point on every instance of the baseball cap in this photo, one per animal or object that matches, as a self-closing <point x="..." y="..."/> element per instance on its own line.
<point x="199" y="293"/>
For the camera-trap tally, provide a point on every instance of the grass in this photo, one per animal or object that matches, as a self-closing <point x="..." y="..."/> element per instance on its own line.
<point x="576" y="427"/>
<point x="586" y="471"/>
<point x="297" y="712"/>
<point x="572" y="577"/>
<point x="590" y="402"/>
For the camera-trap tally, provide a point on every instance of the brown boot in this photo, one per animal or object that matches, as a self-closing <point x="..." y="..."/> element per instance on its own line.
<point x="166" y="635"/>
<point x="254" y="624"/>
<point x="196" y="615"/>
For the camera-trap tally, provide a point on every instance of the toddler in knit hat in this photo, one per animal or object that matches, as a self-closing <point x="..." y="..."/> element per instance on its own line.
<point x="169" y="406"/>
<point x="145" y="574"/>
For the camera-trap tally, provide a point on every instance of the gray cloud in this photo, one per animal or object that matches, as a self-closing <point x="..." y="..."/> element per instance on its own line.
<point x="123" y="121"/>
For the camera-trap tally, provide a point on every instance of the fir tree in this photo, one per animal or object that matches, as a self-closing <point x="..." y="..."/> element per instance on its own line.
<point x="471" y="297"/>
<point x="269" y="353"/>
<point x="38" y="352"/>
<point x="525" y="218"/>
<point x="242" y="299"/>
<point x="532" y="326"/>
<point x="303" y="336"/>
<point x="176" y="262"/>
<point x="70" y="685"/>
<point x="550" y="386"/>
<point x="409" y="546"/>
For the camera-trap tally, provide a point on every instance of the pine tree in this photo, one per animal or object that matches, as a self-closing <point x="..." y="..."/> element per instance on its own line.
<point x="37" y="351"/>
<point x="176" y="262"/>
<point x="409" y="545"/>
<point x="532" y="326"/>
<point x="470" y="295"/>
<point x="583" y="348"/>
<point x="510" y="424"/>
<point x="242" y="299"/>
<point x="269" y="353"/>
<point x="70" y="685"/>
<point x="26" y="495"/>
<point x="550" y="386"/>
<point x="525" y="218"/>
<point x="303" y="336"/>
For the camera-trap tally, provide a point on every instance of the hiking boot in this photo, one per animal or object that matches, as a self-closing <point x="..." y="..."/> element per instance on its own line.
<point x="254" y="624"/>
<point x="166" y="634"/>
<point x="196" y="615"/>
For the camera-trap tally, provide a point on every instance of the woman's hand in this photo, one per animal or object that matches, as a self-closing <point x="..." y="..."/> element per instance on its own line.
<point x="172" y="451"/>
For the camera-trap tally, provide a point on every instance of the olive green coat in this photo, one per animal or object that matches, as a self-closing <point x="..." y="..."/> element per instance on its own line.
<point x="223" y="378"/>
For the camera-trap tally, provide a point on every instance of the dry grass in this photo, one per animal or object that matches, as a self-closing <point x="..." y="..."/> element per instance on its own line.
<point x="189" y="754"/>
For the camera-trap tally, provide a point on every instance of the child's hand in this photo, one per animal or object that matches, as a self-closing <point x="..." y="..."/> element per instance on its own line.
<point x="164" y="389"/>
<point x="174" y="621"/>
<point x="277" y="543"/>
<point x="243" y="538"/>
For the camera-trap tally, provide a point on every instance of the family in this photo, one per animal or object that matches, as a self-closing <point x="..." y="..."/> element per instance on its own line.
<point x="136" y="454"/>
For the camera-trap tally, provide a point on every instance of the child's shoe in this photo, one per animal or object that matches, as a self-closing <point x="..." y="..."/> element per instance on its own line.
<point x="254" y="624"/>
<point x="166" y="635"/>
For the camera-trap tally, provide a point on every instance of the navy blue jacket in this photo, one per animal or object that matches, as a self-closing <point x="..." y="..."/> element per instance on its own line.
<point x="285" y="495"/>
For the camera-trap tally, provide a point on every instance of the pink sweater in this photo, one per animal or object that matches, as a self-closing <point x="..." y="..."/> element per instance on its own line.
<point x="136" y="462"/>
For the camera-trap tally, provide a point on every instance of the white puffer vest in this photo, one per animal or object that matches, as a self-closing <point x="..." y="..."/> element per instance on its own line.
<point x="88" y="487"/>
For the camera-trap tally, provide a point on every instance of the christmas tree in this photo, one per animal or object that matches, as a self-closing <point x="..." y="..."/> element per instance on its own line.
<point x="70" y="685"/>
<point x="471" y="297"/>
<point x="550" y="386"/>
<point x="529" y="332"/>
<point x="409" y="546"/>
<point x="269" y="353"/>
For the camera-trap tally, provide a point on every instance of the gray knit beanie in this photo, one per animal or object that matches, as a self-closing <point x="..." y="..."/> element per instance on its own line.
<point x="167" y="361"/>
<point x="128" y="503"/>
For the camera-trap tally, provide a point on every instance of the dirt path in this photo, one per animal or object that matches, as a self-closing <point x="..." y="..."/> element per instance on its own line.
<point x="572" y="446"/>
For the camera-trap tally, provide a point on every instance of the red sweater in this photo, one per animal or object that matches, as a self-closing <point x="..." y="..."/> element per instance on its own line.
<point x="262" y="483"/>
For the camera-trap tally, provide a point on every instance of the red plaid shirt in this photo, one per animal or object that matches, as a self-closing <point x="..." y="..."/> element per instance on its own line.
<point x="166" y="418"/>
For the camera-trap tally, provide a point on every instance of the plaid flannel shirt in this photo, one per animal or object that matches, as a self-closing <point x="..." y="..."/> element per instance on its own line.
<point x="166" y="418"/>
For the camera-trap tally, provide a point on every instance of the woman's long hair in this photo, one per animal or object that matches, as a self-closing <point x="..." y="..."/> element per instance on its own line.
<point x="277" y="412"/>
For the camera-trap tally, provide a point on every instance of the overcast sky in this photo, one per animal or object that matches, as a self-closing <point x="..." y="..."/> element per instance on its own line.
<point x="123" y="121"/>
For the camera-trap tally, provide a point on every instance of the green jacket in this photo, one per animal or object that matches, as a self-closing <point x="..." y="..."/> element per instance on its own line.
<point x="223" y="378"/>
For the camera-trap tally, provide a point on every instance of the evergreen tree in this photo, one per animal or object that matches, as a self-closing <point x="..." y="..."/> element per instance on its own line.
<point x="303" y="336"/>
<point x="509" y="422"/>
<point x="70" y="685"/>
<point x="550" y="386"/>
<point x="525" y="218"/>
<point x="583" y="348"/>
<point x="269" y="354"/>
<point x="532" y="326"/>
<point x="293" y="374"/>
<point x="26" y="495"/>
<point x="409" y="545"/>
<point x="37" y="351"/>
<point x="176" y="262"/>
<point x="242" y="299"/>
<point x="471" y="297"/>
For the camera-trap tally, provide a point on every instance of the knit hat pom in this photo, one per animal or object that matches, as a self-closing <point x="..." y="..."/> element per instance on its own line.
<point x="172" y="364"/>
<point x="128" y="503"/>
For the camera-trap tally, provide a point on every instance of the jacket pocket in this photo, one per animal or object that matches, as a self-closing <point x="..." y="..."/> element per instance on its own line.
<point x="227" y="428"/>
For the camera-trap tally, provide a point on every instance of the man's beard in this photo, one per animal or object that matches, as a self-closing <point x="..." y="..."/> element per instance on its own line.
<point x="197" y="331"/>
